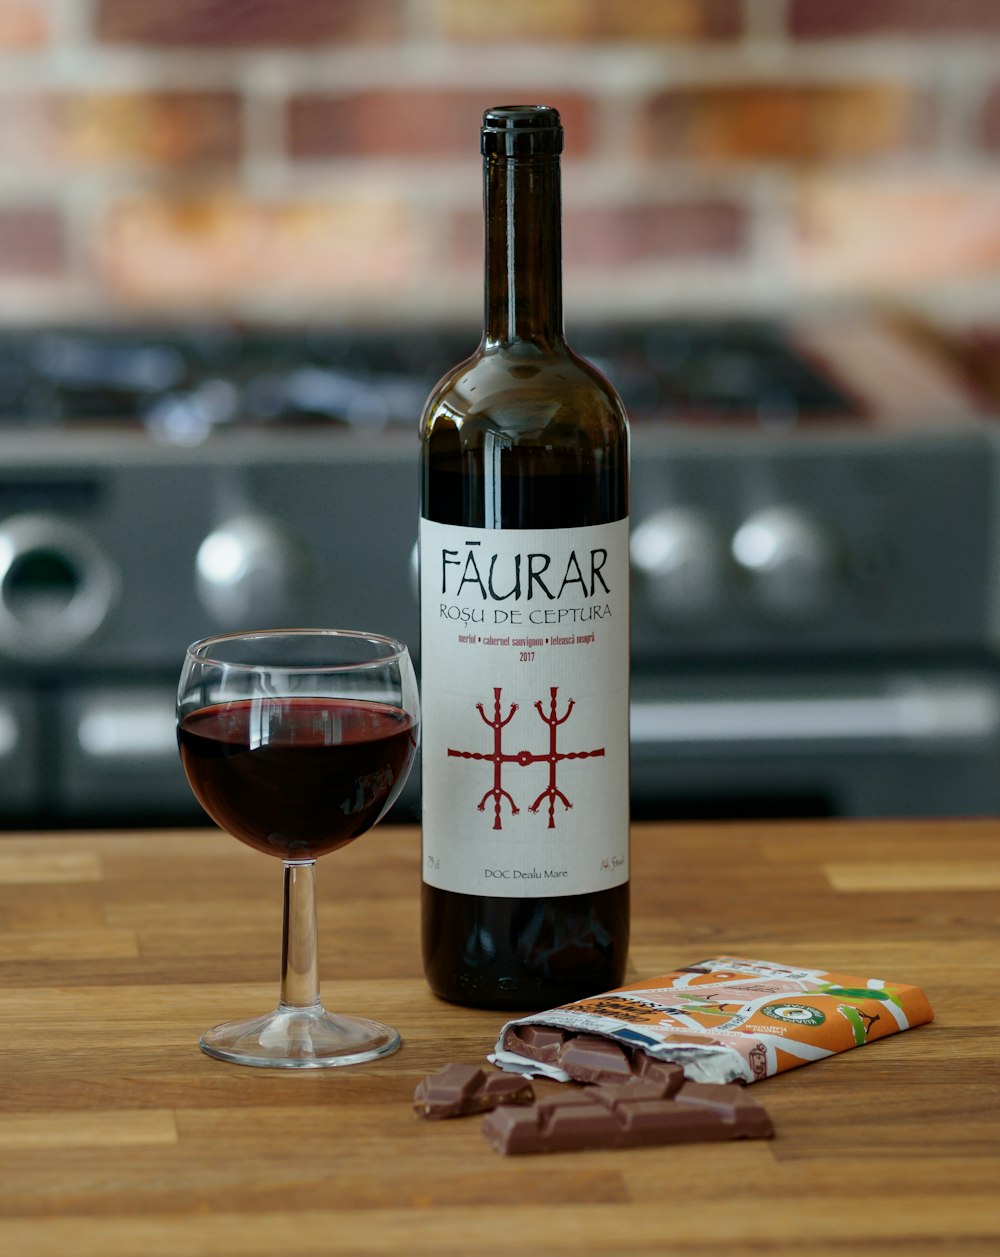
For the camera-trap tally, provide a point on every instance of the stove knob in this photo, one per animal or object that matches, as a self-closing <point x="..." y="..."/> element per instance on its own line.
<point x="57" y="586"/>
<point x="791" y="560"/>
<point x="682" y="565"/>
<point x="250" y="572"/>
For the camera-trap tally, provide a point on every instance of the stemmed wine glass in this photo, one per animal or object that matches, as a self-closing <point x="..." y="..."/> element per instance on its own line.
<point x="296" y="741"/>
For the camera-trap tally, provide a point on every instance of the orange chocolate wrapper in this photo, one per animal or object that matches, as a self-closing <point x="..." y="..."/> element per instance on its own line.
<point x="734" y="1020"/>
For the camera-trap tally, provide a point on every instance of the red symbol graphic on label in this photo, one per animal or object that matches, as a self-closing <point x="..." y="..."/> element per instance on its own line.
<point x="498" y="757"/>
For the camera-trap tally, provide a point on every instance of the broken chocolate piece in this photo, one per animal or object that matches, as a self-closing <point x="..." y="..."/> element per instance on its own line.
<point x="589" y="1057"/>
<point x="634" y="1114"/>
<point x="730" y="1101"/>
<point x="538" y="1043"/>
<point x="458" y="1090"/>
<point x="667" y="1072"/>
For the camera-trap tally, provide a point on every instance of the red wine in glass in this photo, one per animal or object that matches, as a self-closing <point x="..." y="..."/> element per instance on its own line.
<point x="296" y="742"/>
<point x="296" y="777"/>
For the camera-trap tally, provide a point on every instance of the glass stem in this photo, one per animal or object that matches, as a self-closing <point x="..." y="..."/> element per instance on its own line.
<point x="299" y="966"/>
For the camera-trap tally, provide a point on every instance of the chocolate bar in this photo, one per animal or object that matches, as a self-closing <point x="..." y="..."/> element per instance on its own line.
<point x="589" y="1057"/>
<point x="727" y="1019"/>
<point x="635" y="1114"/>
<point x="458" y="1090"/>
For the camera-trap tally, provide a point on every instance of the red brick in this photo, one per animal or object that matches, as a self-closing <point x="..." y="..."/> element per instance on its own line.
<point x="216" y="252"/>
<point x="604" y="237"/>
<point x="608" y="237"/>
<point x="413" y="123"/>
<point x="23" y="24"/>
<point x="839" y="19"/>
<point x="989" y="121"/>
<point x="893" y="233"/>
<point x="245" y="23"/>
<point x="165" y="129"/>
<point x="31" y="242"/>
<point x="777" y="122"/>
<point x="572" y="20"/>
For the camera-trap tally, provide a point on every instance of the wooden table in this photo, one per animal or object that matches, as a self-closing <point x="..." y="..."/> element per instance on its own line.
<point x="118" y="1136"/>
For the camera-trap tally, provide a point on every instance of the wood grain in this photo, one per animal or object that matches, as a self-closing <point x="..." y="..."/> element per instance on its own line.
<point x="118" y="1137"/>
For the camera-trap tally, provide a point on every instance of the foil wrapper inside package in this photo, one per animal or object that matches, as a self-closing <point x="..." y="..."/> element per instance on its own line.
<point x="726" y="1020"/>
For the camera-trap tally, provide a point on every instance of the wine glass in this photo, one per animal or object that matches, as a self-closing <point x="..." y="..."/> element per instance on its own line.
<point x="296" y="741"/>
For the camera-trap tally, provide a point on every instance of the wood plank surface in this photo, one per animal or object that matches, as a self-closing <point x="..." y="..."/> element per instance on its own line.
<point x="119" y="1137"/>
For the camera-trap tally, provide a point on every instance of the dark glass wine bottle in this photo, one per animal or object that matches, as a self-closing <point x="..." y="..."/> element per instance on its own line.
<point x="524" y="624"/>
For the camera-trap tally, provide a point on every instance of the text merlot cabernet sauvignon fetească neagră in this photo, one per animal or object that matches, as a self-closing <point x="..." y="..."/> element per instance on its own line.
<point x="524" y="624"/>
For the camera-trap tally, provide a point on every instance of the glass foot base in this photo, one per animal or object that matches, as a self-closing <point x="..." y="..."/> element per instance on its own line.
<point x="299" y="1038"/>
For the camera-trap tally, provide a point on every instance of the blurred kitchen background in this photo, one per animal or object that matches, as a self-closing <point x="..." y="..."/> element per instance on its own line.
<point x="240" y="239"/>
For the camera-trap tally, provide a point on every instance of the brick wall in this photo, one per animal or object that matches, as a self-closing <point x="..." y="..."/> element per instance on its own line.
<point x="279" y="159"/>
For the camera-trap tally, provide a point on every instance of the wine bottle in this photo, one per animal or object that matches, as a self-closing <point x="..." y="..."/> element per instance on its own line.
<point x="524" y="624"/>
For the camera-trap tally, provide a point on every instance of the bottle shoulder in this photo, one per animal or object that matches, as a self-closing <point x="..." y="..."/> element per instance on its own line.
<point x="521" y="391"/>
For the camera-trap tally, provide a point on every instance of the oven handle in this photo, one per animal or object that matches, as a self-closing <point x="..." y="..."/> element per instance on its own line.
<point x="122" y="731"/>
<point x="911" y="714"/>
<point x="10" y="730"/>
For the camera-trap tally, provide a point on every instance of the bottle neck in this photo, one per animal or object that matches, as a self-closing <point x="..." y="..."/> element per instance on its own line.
<point x="523" y="250"/>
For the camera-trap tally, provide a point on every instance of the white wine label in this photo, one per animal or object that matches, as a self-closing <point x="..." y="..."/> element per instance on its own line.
<point x="524" y="697"/>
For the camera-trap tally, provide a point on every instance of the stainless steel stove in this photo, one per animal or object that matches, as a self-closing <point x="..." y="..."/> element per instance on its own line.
<point x="815" y="617"/>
